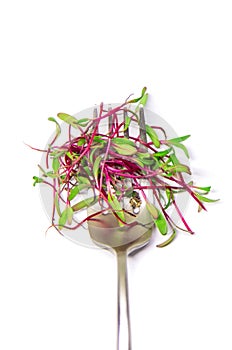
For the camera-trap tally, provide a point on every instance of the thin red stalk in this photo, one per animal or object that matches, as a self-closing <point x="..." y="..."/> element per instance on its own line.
<point x="160" y="128"/>
<point x="160" y="204"/>
<point x="103" y="165"/>
<point x="36" y="149"/>
<point x="147" y="144"/>
<point x="188" y="189"/>
<point x="181" y="216"/>
<point x="158" y="187"/>
<point x="54" y="195"/>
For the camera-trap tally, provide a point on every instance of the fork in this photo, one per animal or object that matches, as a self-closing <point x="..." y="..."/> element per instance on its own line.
<point x="122" y="241"/>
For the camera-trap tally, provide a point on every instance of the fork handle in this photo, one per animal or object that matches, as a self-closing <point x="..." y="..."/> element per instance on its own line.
<point x="124" y="329"/>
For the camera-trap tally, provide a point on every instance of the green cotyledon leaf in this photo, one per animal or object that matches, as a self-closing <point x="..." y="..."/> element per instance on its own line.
<point x="77" y="189"/>
<point x="83" y="180"/>
<point x="153" y="136"/>
<point x="96" y="166"/>
<point x="168" y="241"/>
<point x="127" y="122"/>
<point x="139" y="98"/>
<point x="69" y="214"/>
<point x="179" y="168"/>
<point x="205" y="199"/>
<point x="142" y="102"/>
<point x="180" y="139"/>
<point x="85" y="203"/>
<point x="81" y="141"/>
<point x="162" y="153"/>
<point x="58" y="129"/>
<point x="69" y="119"/>
<point x="161" y="224"/>
<point x="83" y="121"/>
<point x="116" y="206"/>
<point x="152" y="210"/>
<point x="66" y="216"/>
<point x="55" y="164"/>
<point x="125" y="149"/>
<point x="122" y="141"/>
<point x="204" y="189"/>
<point x="57" y="204"/>
<point x="178" y="145"/>
<point x="37" y="180"/>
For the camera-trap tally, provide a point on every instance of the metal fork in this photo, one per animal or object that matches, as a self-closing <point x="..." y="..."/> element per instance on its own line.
<point x="122" y="241"/>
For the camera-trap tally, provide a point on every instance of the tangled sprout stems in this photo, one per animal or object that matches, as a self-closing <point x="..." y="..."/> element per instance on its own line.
<point x="116" y="165"/>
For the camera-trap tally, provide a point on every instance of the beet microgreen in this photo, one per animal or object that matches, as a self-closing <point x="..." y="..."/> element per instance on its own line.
<point x="117" y="164"/>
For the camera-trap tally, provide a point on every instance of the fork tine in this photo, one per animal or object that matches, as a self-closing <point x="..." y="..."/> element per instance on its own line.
<point x="95" y="112"/>
<point x="142" y="126"/>
<point x="110" y="122"/>
<point x="126" y="132"/>
<point x="95" y="115"/>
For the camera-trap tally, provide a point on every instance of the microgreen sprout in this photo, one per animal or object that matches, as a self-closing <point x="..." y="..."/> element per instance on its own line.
<point x="115" y="165"/>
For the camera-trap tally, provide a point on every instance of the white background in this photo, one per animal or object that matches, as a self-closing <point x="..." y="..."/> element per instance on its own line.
<point x="66" y="56"/>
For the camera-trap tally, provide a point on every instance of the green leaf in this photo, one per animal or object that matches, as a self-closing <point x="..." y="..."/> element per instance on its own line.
<point x="139" y="98"/>
<point x="157" y="165"/>
<point x="168" y="241"/>
<point x="86" y="169"/>
<point x="47" y="174"/>
<point x="127" y="122"/>
<point x="92" y="154"/>
<point x="69" y="119"/>
<point x="57" y="154"/>
<point x="63" y="218"/>
<point x="122" y="141"/>
<point x="152" y="210"/>
<point x="174" y="159"/>
<point x="147" y="161"/>
<point x="96" y="167"/>
<point x="85" y="203"/>
<point x="169" y="198"/>
<point x="77" y="189"/>
<point x="55" y="165"/>
<point x="66" y="216"/>
<point x="206" y="189"/>
<point x="98" y="139"/>
<point x="57" y="205"/>
<point x="126" y="150"/>
<point x="116" y="206"/>
<point x="162" y="153"/>
<point x="37" y="180"/>
<point x="83" y="180"/>
<point x="153" y="136"/>
<point x="144" y="99"/>
<point x="143" y="155"/>
<point x="142" y="102"/>
<point x="161" y="224"/>
<point x="179" y="145"/>
<point x="83" y="122"/>
<point x="180" y="139"/>
<point x="138" y="161"/>
<point x="205" y="199"/>
<point x="146" y="158"/>
<point x="52" y="174"/>
<point x="143" y="91"/>
<point x="179" y="168"/>
<point x="81" y="141"/>
<point x="58" y="129"/>
<point x="69" y="215"/>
